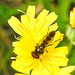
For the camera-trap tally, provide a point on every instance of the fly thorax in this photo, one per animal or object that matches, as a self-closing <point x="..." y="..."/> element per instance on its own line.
<point x="39" y="50"/>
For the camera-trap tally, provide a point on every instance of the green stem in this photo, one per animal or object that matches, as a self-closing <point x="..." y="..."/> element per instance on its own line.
<point x="70" y="50"/>
<point x="8" y="55"/>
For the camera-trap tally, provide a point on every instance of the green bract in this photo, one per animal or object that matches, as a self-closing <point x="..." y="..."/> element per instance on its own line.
<point x="70" y="33"/>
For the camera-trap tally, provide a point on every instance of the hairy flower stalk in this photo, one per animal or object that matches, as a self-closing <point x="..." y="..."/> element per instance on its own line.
<point x="36" y="48"/>
<point x="70" y="32"/>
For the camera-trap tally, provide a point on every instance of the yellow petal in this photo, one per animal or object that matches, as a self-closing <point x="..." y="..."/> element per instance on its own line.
<point x="55" y="40"/>
<point x="45" y="30"/>
<point x="60" y="61"/>
<point x="30" y="16"/>
<point x="16" y="25"/>
<point x="43" y="33"/>
<point x="22" y="65"/>
<point x="32" y="24"/>
<point x="45" y="21"/>
<point x="52" y="67"/>
<point x="43" y="14"/>
<point x="57" y="56"/>
<point x="25" y="21"/>
<point x="60" y="51"/>
<point x="22" y="47"/>
<point x="41" y="20"/>
<point x="31" y="11"/>
<point x="66" y="70"/>
<point x="39" y="25"/>
<point x="53" y="27"/>
<point x="16" y="65"/>
<point x="51" y="18"/>
<point x="20" y="74"/>
<point x="40" y="70"/>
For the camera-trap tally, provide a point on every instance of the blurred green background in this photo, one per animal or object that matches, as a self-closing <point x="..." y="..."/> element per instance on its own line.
<point x="9" y="8"/>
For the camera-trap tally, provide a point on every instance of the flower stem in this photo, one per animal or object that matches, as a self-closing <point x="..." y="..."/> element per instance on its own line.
<point x="70" y="50"/>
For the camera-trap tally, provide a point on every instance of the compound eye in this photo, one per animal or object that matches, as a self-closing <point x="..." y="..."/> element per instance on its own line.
<point x="34" y="55"/>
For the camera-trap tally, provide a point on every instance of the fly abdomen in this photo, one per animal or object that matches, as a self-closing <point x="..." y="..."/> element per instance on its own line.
<point x="49" y="37"/>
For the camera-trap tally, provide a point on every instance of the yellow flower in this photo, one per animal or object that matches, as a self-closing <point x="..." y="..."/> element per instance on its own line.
<point x="72" y="17"/>
<point x="33" y="31"/>
<point x="66" y="70"/>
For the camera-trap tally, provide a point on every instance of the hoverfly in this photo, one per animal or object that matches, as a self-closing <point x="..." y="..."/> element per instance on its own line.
<point x="39" y="49"/>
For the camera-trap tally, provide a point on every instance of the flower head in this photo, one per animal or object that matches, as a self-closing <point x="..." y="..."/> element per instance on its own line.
<point x="35" y="48"/>
<point x="72" y="18"/>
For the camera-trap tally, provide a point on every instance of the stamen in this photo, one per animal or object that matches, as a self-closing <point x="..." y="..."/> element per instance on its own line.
<point x="21" y="11"/>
